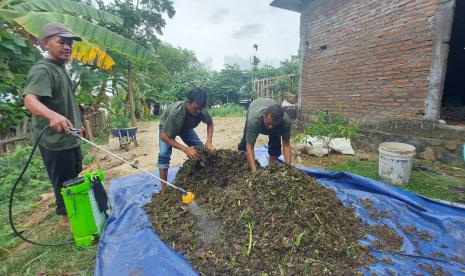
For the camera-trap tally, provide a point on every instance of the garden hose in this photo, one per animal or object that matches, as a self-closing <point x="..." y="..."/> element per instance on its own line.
<point x="10" y="204"/>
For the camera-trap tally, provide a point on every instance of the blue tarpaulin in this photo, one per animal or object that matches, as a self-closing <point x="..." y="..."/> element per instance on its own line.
<point x="129" y="246"/>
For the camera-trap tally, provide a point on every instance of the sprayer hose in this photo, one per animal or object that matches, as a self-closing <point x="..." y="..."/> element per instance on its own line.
<point x="10" y="205"/>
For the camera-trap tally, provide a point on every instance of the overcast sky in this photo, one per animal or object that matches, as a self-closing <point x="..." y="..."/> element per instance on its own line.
<point x="224" y="31"/>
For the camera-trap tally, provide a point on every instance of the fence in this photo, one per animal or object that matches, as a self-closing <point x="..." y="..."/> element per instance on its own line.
<point x="266" y="88"/>
<point x="18" y="133"/>
<point x="92" y="121"/>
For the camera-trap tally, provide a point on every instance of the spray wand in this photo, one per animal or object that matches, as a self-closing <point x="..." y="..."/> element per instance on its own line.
<point x="187" y="196"/>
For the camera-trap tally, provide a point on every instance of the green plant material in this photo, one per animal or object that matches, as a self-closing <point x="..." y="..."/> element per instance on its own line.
<point x="12" y="114"/>
<point x="298" y="239"/>
<point x="70" y="7"/>
<point x="16" y="57"/>
<point x="120" y="122"/>
<point x="33" y="15"/>
<point x="284" y="84"/>
<point x="423" y="183"/>
<point x="332" y="127"/>
<point x="250" y="226"/>
<point x="276" y="204"/>
<point x="33" y="23"/>
<point x="228" y="110"/>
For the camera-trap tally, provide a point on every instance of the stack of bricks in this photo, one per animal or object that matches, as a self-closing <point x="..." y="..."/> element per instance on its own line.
<point x="367" y="59"/>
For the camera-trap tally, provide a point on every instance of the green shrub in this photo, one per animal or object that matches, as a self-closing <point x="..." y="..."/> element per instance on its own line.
<point x="120" y="122"/>
<point x="227" y="110"/>
<point x="330" y="127"/>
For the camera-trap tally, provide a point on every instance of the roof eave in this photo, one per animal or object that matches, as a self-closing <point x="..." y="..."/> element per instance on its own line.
<point x="292" y="5"/>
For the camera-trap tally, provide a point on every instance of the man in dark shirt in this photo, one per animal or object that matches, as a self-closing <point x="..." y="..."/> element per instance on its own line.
<point x="180" y="119"/>
<point x="266" y="117"/>
<point x="49" y="96"/>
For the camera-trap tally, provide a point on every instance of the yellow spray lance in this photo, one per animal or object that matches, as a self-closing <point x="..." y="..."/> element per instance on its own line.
<point x="187" y="196"/>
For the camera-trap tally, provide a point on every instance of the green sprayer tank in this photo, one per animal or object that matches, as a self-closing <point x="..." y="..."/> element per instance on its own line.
<point x="87" y="206"/>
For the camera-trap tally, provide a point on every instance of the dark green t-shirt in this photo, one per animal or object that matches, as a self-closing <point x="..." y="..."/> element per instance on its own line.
<point x="51" y="83"/>
<point x="255" y="124"/>
<point x="176" y="119"/>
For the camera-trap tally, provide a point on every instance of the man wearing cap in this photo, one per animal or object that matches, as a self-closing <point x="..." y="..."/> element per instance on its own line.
<point x="265" y="116"/>
<point x="49" y="96"/>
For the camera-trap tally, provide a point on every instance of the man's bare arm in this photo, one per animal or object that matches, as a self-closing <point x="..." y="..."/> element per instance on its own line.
<point x="57" y="122"/>
<point x="189" y="151"/>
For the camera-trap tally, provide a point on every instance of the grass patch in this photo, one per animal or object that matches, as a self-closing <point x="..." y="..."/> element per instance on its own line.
<point x="33" y="259"/>
<point x="150" y="118"/>
<point x="424" y="183"/>
<point x="228" y="110"/>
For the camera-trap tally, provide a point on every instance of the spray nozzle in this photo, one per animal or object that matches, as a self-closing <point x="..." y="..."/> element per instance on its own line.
<point x="74" y="132"/>
<point x="188" y="197"/>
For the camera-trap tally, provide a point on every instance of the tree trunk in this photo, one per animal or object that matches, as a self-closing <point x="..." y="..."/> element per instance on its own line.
<point x="131" y="95"/>
<point x="101" y="96"/>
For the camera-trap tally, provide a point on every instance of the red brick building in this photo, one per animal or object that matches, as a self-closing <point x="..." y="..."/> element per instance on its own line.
<point x="381" y="59"/>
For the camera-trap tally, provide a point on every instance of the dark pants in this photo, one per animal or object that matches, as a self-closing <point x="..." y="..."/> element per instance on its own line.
<point x="274" y="142"/>
<point x="61" y="166"/>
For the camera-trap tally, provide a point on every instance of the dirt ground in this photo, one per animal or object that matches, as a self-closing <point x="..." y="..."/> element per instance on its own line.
<point x="226" y="135"/>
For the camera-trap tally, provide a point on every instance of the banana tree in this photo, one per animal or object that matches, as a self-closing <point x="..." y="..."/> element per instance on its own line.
<point x="29" y="17"/>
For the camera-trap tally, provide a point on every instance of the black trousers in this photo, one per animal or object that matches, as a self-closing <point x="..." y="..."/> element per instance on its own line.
<point x="61" y="166"/>
<point x="274" y="142"/>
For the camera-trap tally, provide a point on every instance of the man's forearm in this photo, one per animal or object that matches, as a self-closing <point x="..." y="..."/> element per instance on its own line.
<point x="251" y="157"/>
<point x="171" y="141"/>
<point x="287" y="152"/>
<point x="210" y="133"/>
<point x="32" y="103"/>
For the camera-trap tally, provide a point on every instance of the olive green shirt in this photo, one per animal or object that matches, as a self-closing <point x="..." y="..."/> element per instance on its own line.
<point x="51" y="83"/>
<point x="254" y="124"/>
<point x="176" y="119"/>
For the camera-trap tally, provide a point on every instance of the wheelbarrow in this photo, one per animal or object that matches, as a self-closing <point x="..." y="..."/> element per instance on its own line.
<point x="125" y="136"/>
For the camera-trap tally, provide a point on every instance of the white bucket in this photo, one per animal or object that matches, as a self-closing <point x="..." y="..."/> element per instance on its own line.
<point x="395" y="162"/>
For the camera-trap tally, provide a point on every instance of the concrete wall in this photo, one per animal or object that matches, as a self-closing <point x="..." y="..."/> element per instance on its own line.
<point x="367" y="59"/>
<point x="434" y="142"/>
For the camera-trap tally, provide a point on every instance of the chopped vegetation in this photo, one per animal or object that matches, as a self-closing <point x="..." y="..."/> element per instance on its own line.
<point x="374" y="213"/>
<point x="276" y="221"/>
<point x="387" y="239"/>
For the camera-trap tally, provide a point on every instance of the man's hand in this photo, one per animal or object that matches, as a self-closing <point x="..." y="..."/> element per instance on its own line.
<point x="191" y="152"/>
<point x="209" y="146"/>
<point x="60" y="123"/>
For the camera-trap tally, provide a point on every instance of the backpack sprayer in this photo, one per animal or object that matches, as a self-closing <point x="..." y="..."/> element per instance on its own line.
<point x="85" y="199"/>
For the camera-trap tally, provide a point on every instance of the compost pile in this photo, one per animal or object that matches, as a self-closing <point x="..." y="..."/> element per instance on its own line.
<point x="275" y="221"/>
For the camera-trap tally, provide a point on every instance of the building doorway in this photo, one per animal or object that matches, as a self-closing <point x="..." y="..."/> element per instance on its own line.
<point x="453" y="97"/>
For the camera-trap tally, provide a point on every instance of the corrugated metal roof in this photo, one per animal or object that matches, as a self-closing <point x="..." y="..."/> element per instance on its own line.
<point x="292" y="5"/>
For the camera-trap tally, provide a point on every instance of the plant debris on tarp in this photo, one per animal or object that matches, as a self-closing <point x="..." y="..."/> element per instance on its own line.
<point x="277" y="220"/>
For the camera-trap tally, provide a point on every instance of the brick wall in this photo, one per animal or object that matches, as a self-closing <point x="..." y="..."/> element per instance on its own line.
<point x="377" y="59"/>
